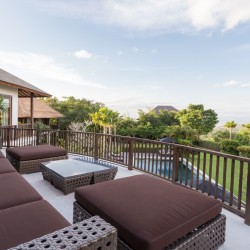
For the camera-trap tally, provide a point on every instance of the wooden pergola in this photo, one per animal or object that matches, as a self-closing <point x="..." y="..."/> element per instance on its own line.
<point x="25" y="89"/>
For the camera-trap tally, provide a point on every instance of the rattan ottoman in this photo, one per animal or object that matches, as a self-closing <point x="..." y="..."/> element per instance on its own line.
<point x="153" y="214"/>
<point x="206" y="237"/>
<point x="67" y="175"/>
<point x="27" y="159"/>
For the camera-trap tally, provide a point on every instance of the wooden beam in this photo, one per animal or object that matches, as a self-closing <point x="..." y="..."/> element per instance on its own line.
<point x="32" y="110"/>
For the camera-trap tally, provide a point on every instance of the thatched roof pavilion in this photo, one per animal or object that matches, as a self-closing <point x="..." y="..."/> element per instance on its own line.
<point x="157" y="109"/>
<point x="41" y="109"/>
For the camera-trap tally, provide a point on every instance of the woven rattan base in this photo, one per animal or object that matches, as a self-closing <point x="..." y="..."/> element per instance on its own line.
<point x="32" y="166"/>
<point x="208" y="236"/>
<point x="105" y="175"/>
<point x="90" y="234"/>
<point x="66" y="185"/>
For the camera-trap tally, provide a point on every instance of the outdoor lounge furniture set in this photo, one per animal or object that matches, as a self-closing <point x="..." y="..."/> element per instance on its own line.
<point x="27" y="221"/>
<point x="144" y="212"/>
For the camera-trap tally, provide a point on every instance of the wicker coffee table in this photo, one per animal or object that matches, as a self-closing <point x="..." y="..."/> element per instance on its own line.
<point x="67" y="175"/>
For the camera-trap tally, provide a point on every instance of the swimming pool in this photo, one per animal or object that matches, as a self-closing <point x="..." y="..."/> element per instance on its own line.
<point x="164" y="168"/>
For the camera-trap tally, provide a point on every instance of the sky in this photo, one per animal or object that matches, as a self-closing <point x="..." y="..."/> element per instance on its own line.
<point x="133" y="54"/>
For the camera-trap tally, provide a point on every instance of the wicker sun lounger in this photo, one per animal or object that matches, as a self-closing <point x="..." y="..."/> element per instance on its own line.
<point x="153" y="214"/>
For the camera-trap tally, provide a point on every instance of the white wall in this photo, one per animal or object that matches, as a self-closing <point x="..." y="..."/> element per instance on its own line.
<point x="14" y="93"/>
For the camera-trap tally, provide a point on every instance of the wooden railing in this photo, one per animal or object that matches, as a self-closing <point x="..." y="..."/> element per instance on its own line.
<point x="223" y="176"/>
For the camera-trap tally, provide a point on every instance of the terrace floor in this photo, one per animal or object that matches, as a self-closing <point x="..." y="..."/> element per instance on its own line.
<point x="237" y="233"/>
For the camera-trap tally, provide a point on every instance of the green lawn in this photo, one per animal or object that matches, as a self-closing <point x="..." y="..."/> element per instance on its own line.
<point x="228" y="172"/>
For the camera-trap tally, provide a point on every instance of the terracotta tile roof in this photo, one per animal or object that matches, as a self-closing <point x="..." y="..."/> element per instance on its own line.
<point x="24" y="88"/>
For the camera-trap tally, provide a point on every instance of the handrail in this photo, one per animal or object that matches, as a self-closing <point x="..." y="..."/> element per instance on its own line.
<point x="223" y="176"/>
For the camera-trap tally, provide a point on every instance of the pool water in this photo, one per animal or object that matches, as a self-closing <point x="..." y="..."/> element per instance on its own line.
<point x="164" y="168"/>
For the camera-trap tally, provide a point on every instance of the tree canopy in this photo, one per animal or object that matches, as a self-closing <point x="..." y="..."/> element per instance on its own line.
<point x="196" y="117"/>
<point x="73" y="109"/>
<point x="164" y="118"/>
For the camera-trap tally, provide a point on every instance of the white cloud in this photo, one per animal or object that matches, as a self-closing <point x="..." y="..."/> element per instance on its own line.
<point x="228" y="84"/>
<point x="45" y="66"/>
<point x="245" y="85"/>
<point x="233" y="83"/>
<point x="164" y="15"/>
<point x="83" y="54"/>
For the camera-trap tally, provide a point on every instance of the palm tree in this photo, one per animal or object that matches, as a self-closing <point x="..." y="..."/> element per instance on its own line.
<point x="3" y="106"/>
<point x="105" y="118"/>
<point x="3" y="109"/>
<point x="230" y="125"/>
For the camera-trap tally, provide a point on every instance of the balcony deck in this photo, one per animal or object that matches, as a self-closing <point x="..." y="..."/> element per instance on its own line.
<point x="237" y="233"/>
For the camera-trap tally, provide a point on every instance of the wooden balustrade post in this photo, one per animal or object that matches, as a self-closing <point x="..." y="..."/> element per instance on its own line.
<point x="131" y="154"/>
<point x="96" y="153"/>
<point x="1" y="138"/>
<point x="15" y="132"/>
<point x="176" y="156"/>
<point x="247" y="211"/>
<point x="38" y="133"/>
<point x="8" y="137"/>
<point x="66" y="140"/>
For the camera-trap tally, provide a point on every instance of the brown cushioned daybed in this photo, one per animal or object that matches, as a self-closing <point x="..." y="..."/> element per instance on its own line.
<point x="150" y="213"/>
<point x="27" y="159"/>
<point x="27" y="221"/>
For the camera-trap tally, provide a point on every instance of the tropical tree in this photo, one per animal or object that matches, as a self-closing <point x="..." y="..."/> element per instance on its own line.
<point x="3" y="108"/>
<point x="230" y="125"/>
<point x="196" y="117"/>
<point x="164" y="118"/>
<point x="73" y="109"/>
<point x="247" y="126"/>
<point x="126" y="126"/>
<point x="106" y="118"/>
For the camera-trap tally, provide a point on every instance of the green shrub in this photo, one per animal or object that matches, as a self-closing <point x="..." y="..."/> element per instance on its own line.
<point x="243" y="138"/>
<point x="41" y="125"/>
<point x="229" y="146"/>
<point x="220" y="135"/>
<point x="209" y="145"/>
<point x="185" y="142"/>
<point x="244" y="151"/>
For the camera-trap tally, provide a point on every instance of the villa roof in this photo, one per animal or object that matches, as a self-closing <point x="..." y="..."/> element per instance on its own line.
<point x="41" y="109"/>
<point x="25" y="89"/>
<point x="167" y="108"/>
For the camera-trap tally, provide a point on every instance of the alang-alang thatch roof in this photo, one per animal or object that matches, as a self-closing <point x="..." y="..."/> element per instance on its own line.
<point x="41" y="109"/>
<point x="157" y="109"/>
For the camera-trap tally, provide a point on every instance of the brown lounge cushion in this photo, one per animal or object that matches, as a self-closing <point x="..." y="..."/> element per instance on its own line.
<point x="148" y="213"/>
<point x="28" y="153"/>
<point x="5" y="166"/>
<point x="15" y="190"/>
<point x="27" y="222"/>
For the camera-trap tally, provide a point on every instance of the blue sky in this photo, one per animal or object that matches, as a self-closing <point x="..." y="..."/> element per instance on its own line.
<point x="133" y="55"/>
